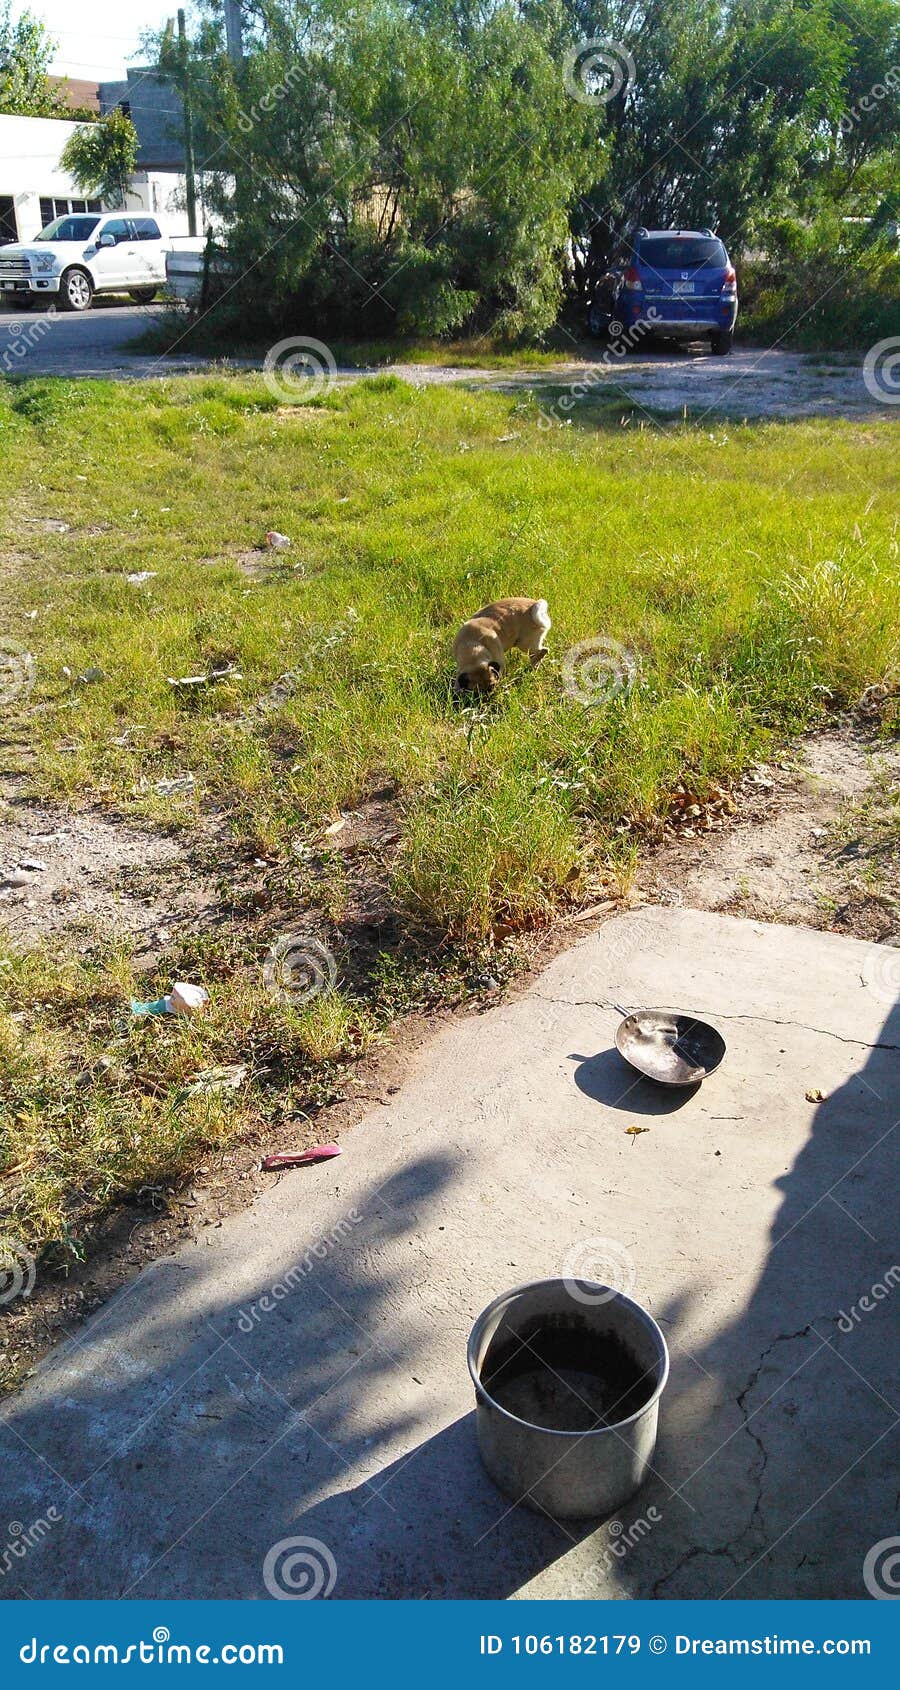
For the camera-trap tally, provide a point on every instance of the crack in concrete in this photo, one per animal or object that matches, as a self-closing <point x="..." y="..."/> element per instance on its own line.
<point x="690" y="1555"/>
<point x="755" y="1519"/>
<point x="825" y="1032"/>
<point x="754" y="1524"/>
<point x="719" y="1015"/>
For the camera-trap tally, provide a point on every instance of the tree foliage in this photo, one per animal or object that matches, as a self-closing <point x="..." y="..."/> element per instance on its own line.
<point x="737" y="115"/>
<point x="101" y="157"/>
<point x="437" y="166"/>
<point x="25" y="54"/>
<point x="399" y="167"/>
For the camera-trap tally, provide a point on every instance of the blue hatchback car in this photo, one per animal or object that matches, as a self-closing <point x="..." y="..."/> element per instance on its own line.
<point x="683" y="284"/>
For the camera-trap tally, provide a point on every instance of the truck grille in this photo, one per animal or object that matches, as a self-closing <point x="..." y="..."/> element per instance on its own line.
<point x="10" y="267"/>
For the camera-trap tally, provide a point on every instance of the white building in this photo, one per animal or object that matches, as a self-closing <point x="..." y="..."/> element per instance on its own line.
<point x="34" y="189"/>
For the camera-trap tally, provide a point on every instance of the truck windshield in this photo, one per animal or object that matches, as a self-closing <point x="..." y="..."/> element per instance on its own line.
<point x="69" y="229"/>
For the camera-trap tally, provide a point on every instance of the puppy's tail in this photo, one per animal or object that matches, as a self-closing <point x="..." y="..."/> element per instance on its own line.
<point x="540" y="614"/>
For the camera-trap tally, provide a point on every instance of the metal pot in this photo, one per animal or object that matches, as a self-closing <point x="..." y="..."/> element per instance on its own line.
<point x="568" y="1375"/>
<point x="671" y="1048"/>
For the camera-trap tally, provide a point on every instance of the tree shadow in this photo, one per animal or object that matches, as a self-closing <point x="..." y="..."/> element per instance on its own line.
<point x="437" y="1497"/>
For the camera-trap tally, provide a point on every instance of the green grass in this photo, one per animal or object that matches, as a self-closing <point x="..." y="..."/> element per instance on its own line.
<point x="749" y="572"/>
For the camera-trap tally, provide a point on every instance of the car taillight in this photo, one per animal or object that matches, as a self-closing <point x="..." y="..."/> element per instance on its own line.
<point x="631" y="278"/>
<point x="730" y="283"/>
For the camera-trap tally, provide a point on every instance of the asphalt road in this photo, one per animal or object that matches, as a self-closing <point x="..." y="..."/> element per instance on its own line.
<point x="60" y="343"/>
<point x="752" y="382"/>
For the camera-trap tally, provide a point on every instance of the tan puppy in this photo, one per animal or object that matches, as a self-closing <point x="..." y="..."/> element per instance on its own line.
<point x="481" y="645"/>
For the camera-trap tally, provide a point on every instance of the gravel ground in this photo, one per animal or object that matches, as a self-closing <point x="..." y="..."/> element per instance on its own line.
<point x="752" y="382"/>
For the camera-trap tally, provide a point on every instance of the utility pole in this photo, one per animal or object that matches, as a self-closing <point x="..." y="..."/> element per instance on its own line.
<point x="233" y="33"/>
<point x="189" y="175"/>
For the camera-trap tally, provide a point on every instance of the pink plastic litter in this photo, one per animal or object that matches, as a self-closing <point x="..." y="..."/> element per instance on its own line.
<point x="299" y="1158"/>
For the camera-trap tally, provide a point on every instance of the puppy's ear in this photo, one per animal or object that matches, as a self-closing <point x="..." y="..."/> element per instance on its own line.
<point x="461" y="683"/>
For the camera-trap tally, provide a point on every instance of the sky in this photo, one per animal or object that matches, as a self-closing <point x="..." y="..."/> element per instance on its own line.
<point x="98" y="37"/>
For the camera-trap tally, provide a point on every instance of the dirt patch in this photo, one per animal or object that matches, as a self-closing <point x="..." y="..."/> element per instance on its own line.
<point x="45" y="524"/>
<point x="815" y="843"/>
<point x="753" y="383"/>
<point x="260" y="563"/>
<point x="361" y="845"/>
<point x="87" y="875"/>
<point x="303" y="413"/>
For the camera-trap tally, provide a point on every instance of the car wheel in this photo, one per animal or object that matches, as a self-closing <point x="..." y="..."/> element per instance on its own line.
<point x="721" y="342"/>
<point x="76" y="290"/>
<point x="142" y="296"/>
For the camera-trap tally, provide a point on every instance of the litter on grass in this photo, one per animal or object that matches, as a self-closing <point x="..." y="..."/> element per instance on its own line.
<point x="184" y="999"/>
<point x="16" y="878"/>
<point x="184" y="682"/>
<point x="175" y="783"/>
<point x="299" y="1158"/>
<point x="228" y="1078"/>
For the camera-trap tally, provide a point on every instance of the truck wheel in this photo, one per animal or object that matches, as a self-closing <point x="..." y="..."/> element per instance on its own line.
<point x="76" y="290"/>
<point x="720" y="341"/>
<point x="142" y="296"/>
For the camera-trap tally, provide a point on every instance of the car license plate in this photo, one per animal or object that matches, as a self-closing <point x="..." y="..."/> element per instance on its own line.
<point x="682" y="287"/>
<point x="9" y="285"/>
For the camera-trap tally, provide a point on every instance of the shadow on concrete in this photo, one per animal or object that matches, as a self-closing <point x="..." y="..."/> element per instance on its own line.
<point x="438" y="1495"/>
<point x="609" y="1079"/>
<point x="809" y="1382"/>
<point x="241" y="1419"/>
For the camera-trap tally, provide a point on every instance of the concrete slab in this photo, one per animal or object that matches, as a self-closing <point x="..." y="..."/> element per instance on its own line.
<point x="300" y="1372"/>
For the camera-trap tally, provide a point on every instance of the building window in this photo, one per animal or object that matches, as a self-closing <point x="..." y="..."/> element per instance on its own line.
<point x="51" y="209"/>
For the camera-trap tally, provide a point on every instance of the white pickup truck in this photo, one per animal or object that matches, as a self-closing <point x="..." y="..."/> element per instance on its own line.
<point x="86" y="253"/>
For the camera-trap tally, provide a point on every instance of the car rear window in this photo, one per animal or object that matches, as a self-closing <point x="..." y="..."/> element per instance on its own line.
<point x="680" y="252"/>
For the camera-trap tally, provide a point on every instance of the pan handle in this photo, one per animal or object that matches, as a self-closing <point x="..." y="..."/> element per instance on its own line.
<point x="622" y="1010"/>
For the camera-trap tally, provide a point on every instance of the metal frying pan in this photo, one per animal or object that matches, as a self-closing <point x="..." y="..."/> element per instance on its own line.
<point x="673" y="1049"/>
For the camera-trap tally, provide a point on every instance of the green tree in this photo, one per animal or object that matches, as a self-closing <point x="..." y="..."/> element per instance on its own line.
<point x="102" y="157"/>
<point x="389" y="166"/>
<point x="446" y="166"/>
<point x="719" y="120"/>
<point x="25" y="54"/>
<point x="863" y="156"/>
